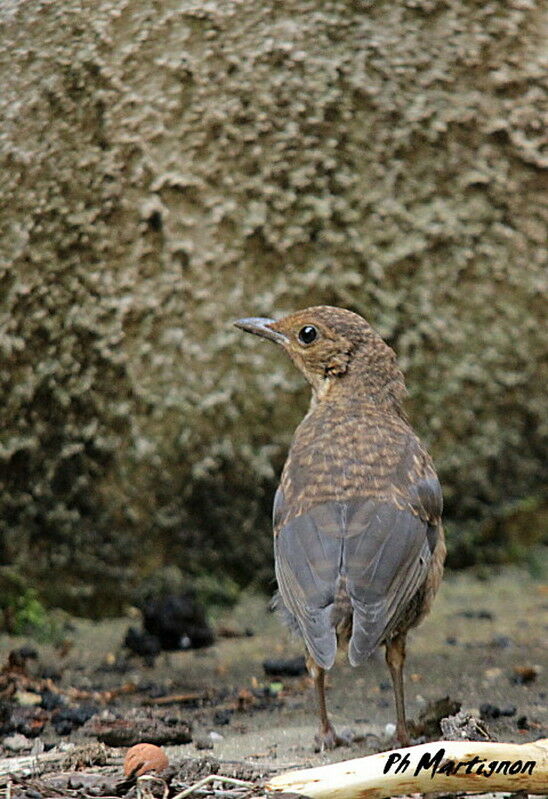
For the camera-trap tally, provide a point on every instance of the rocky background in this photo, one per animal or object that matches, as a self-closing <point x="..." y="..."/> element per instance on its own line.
<point x="166" y="167"/>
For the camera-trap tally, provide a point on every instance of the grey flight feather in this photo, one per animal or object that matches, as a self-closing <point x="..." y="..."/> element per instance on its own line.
<point x="381" y="549"/>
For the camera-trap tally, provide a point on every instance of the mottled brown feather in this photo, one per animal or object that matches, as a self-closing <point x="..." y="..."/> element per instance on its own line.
<point x="354" y="456"/>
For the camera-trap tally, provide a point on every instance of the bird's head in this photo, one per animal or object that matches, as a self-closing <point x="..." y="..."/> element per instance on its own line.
<point x="333" y="347"/>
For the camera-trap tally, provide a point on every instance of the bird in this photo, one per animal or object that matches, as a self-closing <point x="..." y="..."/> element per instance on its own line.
<point x="359" y="546"/>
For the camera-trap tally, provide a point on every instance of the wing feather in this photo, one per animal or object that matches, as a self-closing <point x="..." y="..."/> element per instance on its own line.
<point x="307" y="561"/>
<point x="383" y="550"/>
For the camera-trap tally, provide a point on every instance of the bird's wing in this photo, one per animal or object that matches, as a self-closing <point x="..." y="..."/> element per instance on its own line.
<point x="382" y="547"/>
<point x="386" y="559"/>
<point x="308" y="553"/>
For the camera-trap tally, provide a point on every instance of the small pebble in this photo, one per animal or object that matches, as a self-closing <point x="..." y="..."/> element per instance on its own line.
<point x="27" y="698"/>
<point x="502" y="642"/>
<point x="476" y="614"/>
<point x="222" y="717"/>
<point x="203" y="743"/>
<point x="51" y="700"/>
<point x="16" y="742"/>
<point x="215" y="736"/>
<point x="489" y="711"/>
<point x="389" y="730"/>
<point x="348" y="735"/>
<point x="523" y="675"/>
<point x="143" y="758"/>
<point x="286" y="667"/>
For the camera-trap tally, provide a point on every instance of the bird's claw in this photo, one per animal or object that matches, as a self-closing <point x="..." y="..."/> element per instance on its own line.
<point x="327" y="739"/>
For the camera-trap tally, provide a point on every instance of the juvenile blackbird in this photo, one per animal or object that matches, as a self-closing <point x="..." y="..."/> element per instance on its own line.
<point x="358" y="541"/>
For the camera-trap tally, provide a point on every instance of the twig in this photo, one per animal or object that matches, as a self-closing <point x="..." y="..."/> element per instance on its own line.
<point x="173" y="699"/>
<point x="29" y="764"/>
<point x="213" y="778"/>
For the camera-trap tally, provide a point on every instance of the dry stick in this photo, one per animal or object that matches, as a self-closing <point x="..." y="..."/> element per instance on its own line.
<point x="177" y="698"/>
<point x="485" y="767"/>
<point x="27" y="764"/>
<point x="213" y="778"/>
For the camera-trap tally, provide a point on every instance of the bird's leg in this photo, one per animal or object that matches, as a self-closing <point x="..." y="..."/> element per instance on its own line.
<point x="395" y="658"/>
<point x="326" y="737"/>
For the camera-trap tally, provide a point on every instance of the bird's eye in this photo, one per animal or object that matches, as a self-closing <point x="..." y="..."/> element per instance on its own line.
<point x="307" y="334"/>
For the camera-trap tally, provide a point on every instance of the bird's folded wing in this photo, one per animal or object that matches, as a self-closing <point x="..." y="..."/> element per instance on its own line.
<point x="386" y="559"/>
<point x="382" y="549"/>
<point x="308" y="553"/>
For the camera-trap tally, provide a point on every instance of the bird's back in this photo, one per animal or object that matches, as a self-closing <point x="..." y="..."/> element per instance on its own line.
<point x="356" y="523"/>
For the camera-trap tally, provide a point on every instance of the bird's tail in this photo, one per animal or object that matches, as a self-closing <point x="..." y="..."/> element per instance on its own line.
<point x="341" y="613"/>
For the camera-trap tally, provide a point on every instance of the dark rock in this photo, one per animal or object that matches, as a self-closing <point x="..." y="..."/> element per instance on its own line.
<point x="17" y="658"/>
<point x="193" y="769"/>
<point x="178" y="621"/>
<point x="67" y="719"/>
<point x="81" y="784"/>
<point x="429" y="720"/>
<point x="476" y="614"/>
<point x="222" y="717"/>
<point x="203" y="743"/>
<point x="523" y="675"/>
<point x="289" y="667"/>
<point x="29" y="721"/>
<point x="5" y="716"/>
<point x="51" y="700"/>
<point x="144" y="644"/>
<point x="140" y="728"/>
<point x="509" y="710"/>
<point x="502" y="642"/>
<point x="154" y="690"/>
<point x="489" y="711"/>
<point x="26" y="652"/>
<point x="50" y="673"/>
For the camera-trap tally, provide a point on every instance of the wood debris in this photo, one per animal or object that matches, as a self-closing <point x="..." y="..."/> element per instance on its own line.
<point x="438" y="766"/>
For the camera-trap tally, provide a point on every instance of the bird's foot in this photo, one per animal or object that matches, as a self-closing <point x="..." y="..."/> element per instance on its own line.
<point x="402" y="735"/>
<point x="327" y="738"/>
<point x="398" y="733"/>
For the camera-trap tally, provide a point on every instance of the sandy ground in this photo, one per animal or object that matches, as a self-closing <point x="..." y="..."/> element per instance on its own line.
<point x="478" y="633"/>
<point x="476" y="667"/>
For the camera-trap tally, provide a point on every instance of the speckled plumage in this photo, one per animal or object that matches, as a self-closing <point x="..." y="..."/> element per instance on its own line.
<point x="359" y="545"/>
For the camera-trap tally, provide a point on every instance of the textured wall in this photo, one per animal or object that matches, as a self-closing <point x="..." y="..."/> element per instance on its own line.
<point x="167" y="166"/>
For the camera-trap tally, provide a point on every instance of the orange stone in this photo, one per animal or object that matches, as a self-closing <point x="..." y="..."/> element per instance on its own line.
<point x="142" y="758"/>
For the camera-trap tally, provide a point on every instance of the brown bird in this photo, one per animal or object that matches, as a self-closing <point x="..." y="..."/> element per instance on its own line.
<point x="358" y="541"/>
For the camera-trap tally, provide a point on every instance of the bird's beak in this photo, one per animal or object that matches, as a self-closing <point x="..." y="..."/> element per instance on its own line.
<point x="261" y="327"/>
